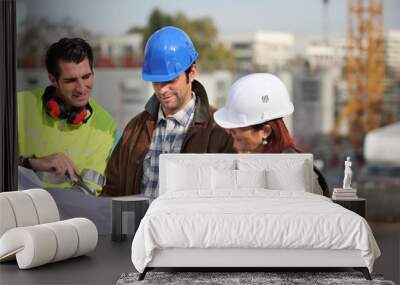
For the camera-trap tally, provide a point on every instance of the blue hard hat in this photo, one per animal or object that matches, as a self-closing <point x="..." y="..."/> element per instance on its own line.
<point x="168" y="53"/>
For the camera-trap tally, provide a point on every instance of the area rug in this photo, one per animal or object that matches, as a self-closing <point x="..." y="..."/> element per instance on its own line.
<point x="243" y="278"/>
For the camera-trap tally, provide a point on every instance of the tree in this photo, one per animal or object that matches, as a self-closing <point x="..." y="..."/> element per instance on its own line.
<point x="203" y="33"/>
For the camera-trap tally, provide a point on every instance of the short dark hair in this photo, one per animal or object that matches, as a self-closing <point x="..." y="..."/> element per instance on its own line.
<point x="69" y="50"/>
<point x="187" y="71"/>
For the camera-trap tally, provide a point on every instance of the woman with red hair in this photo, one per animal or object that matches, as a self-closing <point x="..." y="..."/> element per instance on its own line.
<point x="253" y="115"/>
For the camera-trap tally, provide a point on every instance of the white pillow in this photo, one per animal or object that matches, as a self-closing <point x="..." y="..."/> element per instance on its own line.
<point x="223" y="179"/>
<point x="183" y="177"/>
<point x="283" y="174"/>
<point x="251" y="178"/>
<point x="293" y="179"/>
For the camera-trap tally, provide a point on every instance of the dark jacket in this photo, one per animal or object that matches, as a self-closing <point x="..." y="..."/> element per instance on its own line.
<point x="125" y="168"/>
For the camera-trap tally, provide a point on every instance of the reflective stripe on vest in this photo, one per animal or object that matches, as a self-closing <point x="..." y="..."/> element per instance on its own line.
<point x="87" y="146"/>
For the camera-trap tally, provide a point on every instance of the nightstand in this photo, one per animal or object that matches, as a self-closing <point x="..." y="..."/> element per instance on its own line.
<point x="358" y="205"/>
<point x="127" y="212"/>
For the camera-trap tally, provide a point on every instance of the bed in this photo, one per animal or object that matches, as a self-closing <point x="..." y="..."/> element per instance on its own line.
<point x="246" y="211"/>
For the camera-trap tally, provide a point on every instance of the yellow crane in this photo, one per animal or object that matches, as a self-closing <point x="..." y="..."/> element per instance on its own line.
<point x="365" y="71"/>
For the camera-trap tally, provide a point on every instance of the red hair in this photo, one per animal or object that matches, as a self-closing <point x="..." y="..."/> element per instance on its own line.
<point x="279" y="140"/>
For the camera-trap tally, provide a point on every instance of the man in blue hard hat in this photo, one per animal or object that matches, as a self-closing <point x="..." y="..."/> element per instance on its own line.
<point x="176" y="119"/>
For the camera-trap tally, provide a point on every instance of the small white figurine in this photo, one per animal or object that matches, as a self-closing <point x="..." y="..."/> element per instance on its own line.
<point x="347" y="174"/>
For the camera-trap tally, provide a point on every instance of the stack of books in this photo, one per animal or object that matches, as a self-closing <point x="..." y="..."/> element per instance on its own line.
<point x="344" y="194"/>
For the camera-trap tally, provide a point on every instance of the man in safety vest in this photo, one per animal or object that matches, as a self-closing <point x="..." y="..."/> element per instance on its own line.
<point x="176" y="119"/>
<point x="64" y="135"/>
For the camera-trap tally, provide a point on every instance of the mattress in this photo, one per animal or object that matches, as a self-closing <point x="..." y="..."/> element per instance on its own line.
<point x="251" y="219"/>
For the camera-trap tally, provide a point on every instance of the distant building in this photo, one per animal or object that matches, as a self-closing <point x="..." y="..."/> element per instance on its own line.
<point x="131" y="92"/>
<point x="260" y="51"/>
<point x="287" y="79"/>
<point x="122" y="51"/>
<point x="392" y="52"/>
<point x="320" y="54"/>
<point x="217" y="84"/>
<point x="314" y="101"/>
<point x="326" y="56"/>
<point x="391" y="99"/>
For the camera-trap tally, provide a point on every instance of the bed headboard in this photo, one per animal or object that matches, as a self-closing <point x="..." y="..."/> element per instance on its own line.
<point x="286" y="171"/>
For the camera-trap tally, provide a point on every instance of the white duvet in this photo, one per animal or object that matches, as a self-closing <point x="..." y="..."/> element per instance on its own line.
<point x="253" y="218"/>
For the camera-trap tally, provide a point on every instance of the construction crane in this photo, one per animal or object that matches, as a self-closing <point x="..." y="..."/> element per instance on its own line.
<point x="365" y="71"/>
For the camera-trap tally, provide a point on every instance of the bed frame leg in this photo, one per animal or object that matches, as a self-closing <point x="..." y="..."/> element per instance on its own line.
<point x="143" y="274"/>
<point x="364" y="271"/>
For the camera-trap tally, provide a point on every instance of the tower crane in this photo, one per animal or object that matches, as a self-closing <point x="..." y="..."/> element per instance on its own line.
<point x="365" y="71"/>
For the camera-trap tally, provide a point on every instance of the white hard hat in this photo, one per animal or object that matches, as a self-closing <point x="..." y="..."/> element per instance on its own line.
<point x="254" y="99"/>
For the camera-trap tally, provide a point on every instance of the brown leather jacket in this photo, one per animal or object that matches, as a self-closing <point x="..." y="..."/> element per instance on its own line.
<point x="125" y="168"/>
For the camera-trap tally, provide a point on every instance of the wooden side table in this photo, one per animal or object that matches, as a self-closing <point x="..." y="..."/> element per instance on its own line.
<point x="357" y="205"/>
<point x="127" y="212"/>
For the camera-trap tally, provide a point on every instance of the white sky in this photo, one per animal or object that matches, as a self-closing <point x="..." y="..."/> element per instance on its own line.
<point x="114" y="17"/>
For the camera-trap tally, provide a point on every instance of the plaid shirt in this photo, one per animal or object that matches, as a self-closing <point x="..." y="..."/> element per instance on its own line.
<point x="167" y="138"/>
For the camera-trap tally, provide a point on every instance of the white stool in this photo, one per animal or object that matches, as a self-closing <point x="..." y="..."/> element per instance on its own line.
<point x="31" y="231"/>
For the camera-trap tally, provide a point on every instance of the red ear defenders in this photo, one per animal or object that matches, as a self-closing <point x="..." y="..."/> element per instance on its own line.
<point x="55" y="107"/>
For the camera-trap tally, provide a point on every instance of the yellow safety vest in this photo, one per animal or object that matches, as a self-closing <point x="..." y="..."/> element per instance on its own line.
<point x="88" y="146"/>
